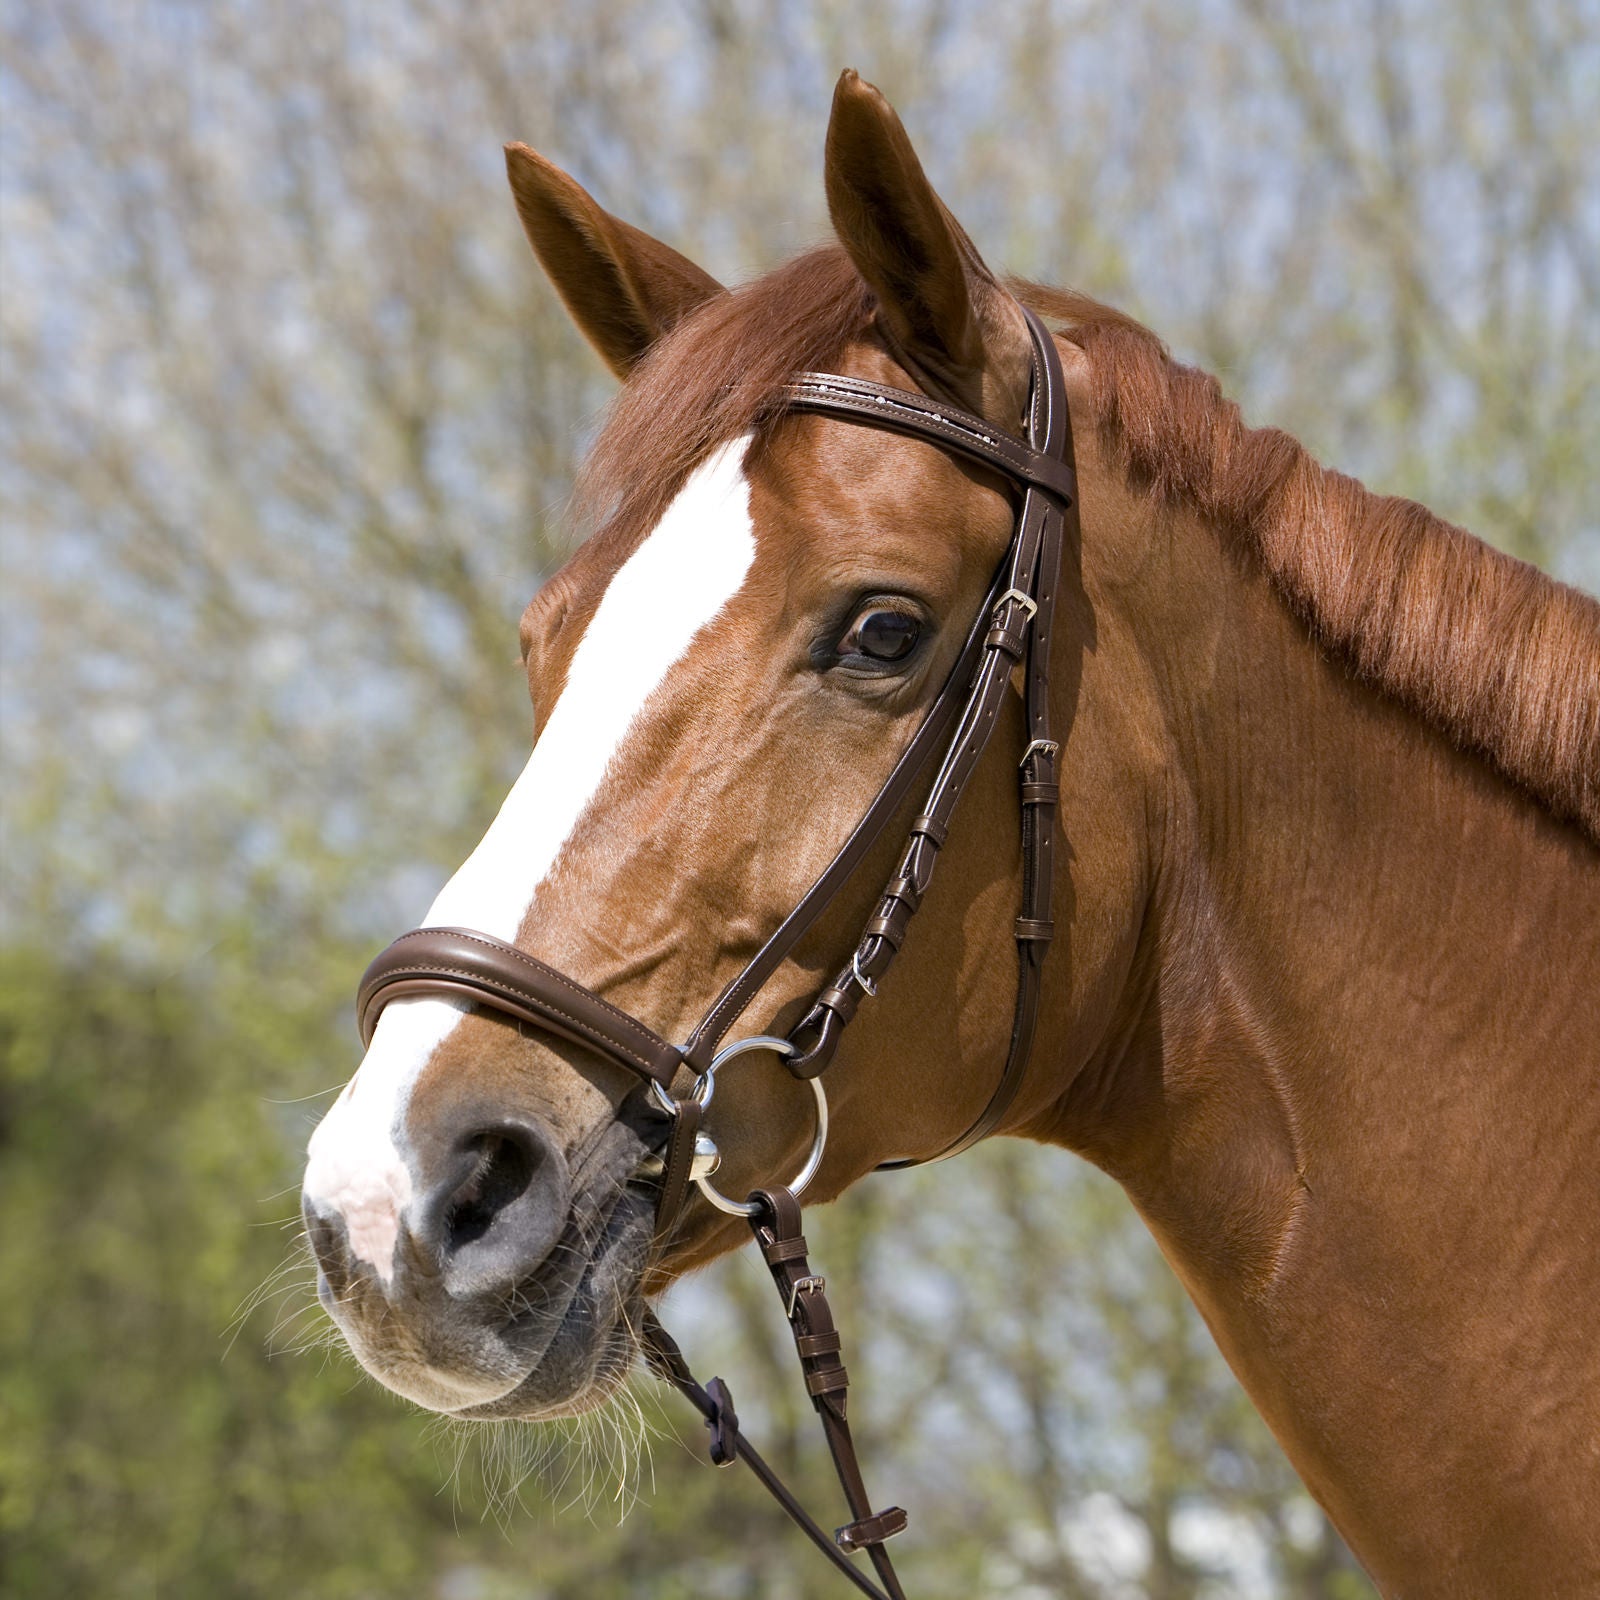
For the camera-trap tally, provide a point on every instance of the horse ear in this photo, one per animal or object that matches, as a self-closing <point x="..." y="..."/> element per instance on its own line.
<point x="623" y="288"/>
<point x="946" y="317"/>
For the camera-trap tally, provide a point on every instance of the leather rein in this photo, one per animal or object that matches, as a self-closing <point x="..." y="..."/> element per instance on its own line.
<point x="1013" y="628"/>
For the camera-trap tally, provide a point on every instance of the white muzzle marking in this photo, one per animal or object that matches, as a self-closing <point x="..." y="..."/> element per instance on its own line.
<point x="672" y="586"/>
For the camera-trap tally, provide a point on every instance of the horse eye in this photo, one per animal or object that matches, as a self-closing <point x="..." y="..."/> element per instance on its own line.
<point x="882" y="636"/>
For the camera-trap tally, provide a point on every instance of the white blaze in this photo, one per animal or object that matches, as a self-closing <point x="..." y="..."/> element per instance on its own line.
<point x="679" y="578"/>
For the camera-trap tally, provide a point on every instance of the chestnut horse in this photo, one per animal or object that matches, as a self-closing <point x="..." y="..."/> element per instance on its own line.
<point x="1325" y="995"/>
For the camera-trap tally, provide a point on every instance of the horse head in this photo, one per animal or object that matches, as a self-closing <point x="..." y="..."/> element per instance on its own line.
<point x="723" y="677"/>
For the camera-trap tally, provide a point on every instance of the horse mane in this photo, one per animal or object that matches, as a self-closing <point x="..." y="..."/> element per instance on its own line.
<point x="1489" y="650"/>
<point x="1501" y="658"/>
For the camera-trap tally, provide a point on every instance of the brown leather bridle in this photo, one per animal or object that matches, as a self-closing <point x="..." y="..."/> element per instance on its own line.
<point x="1012" y="629"/>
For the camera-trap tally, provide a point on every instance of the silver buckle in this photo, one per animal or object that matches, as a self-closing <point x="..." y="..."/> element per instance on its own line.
<point x="1049" y="746"/>
<point x="815" y="1284"/>
<point x="861" y="977"/>
<point x="1025" y="600"/>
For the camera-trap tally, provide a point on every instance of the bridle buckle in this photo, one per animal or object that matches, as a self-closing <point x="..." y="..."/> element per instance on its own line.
<point x="1026" y="601"/>
<point x="814" y="1284"/>
<point x="866" y="983"/>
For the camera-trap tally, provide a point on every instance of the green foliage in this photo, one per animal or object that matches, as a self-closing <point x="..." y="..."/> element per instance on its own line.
<point x="142" y="1452"/>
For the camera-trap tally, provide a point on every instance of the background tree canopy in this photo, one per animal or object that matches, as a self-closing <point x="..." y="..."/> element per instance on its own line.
<point x="288" y="420"/>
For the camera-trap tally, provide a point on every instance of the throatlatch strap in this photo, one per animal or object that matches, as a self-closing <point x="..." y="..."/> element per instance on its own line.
<point x="1039" y="789"/>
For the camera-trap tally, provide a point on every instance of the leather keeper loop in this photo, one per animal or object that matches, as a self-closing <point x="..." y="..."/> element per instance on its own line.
<point x="923" y="861"/>
<point x="1004" y="639"/>
<point x="1041" y="794"/>
<point x="812" y="1345"/>
<point x="873" y="958"/>
<point x="871" y="1530"/>
<point x="842" y="1002"/>
<point x="890" y="929"/>
<point x="906" y="892"/>
<point x="931" y="829"/>
<point x="828" y="1381"/>
<point x="783" y="1250"/>
<point x="1035" y="929"/>
<point x="813" y="1059"/>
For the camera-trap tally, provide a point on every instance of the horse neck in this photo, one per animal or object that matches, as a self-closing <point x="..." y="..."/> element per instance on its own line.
<point x="1352" y="1092"/>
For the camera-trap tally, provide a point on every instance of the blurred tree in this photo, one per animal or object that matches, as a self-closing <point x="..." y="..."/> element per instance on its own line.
<point x="134" y="1459"/>
<point x="286" y="421"/>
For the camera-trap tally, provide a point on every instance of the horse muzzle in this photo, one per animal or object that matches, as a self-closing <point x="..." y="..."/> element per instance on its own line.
<point x="502" y="1283"/>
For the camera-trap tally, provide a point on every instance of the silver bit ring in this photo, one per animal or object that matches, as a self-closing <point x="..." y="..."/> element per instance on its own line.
<point x="705" y="1086"/>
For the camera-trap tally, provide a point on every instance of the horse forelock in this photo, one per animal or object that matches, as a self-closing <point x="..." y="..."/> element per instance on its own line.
<point x="711" y="379"/>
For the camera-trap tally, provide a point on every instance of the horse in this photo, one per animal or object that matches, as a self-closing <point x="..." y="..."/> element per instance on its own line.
<point x="1322" y="995"/>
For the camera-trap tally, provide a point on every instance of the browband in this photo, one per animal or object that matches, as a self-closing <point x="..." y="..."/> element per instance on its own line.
<point x="922" y="416"/>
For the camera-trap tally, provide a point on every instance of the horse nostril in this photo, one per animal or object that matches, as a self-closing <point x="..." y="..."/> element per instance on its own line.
<point x="496" y="1209"/>
<point x="322" y="1234"/>
<point x="505" y="1167"/>
<point x="326" y="1237"/>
